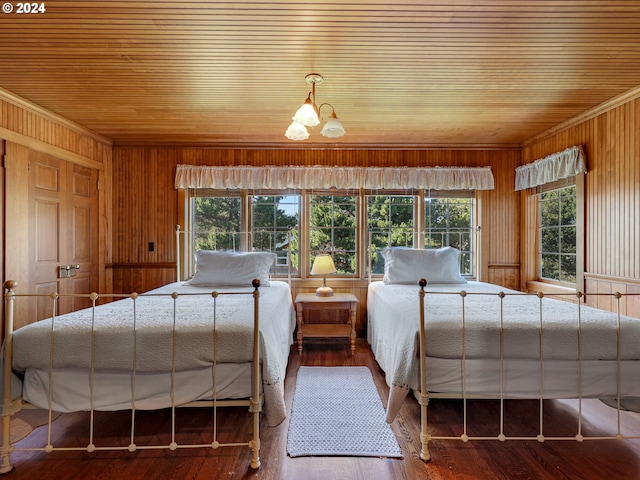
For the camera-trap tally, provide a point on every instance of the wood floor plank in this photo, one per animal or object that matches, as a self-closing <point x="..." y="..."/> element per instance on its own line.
<point x="589" y="460"/>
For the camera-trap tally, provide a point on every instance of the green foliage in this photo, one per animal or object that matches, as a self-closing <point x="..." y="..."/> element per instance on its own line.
<point x="332" y="229"/>
<point x="214" y="218"/>
<point x="333" y="226"/>
<point x="217" y="224"/>
<point x="390" y="220"/>
<point x="558" y="234"/>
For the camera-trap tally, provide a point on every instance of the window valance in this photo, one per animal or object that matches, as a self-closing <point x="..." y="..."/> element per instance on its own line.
<point x="322" y="177"/>
<point x="559" y="165"/>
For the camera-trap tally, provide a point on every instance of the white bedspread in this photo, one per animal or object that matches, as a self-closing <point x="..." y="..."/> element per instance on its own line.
<point x="151" y="338"/>
<point x="393" y="329"/>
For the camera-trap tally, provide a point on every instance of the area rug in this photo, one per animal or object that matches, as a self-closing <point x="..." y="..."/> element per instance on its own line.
<point x="337" y="411"/>
<point x="26" y="421"/>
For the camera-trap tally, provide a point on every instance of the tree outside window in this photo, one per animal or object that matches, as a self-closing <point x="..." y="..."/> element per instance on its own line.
<point x="332" y="229"/>
<point x="558" y="234"/>
<point x="449" y="223"/>
<point x="390" y="221"/>
<point x="216" y="223"/>
<point x="275" y="221"/>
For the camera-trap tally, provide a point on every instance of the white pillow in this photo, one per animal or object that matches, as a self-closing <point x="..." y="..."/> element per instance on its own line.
<point x="406" y="265"/>
<point x="217" y="267"/>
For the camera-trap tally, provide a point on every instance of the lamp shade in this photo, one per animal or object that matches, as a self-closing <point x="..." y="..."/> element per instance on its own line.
<point x="307" y="115"/>
<point x="323" y="265"/>
<point x="296" y="131"/>
<point x="333" y="128"/>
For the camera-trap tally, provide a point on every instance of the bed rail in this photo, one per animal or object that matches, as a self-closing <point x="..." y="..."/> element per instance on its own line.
<point x="11" y="406"/>
<point x="424" y="394"/>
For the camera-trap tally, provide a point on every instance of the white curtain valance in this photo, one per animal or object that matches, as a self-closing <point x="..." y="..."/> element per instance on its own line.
<point x="567" y="163"/>
<point x="321" y="177"/>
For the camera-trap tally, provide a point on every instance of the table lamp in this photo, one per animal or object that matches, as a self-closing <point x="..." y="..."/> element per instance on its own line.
<point x="323" y="265"/>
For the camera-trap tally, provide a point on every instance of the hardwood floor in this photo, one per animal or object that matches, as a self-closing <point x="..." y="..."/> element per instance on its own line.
<point x="597" y="459"/>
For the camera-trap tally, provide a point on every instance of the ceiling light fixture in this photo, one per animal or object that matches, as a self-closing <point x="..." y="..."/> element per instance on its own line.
<point x="308" y="115"/>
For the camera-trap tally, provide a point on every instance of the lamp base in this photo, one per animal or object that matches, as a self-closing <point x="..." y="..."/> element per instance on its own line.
<point x="324" y="291"/>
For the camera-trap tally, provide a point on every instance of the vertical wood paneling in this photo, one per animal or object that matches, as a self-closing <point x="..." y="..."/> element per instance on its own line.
<point x="35" y="124"/>
<point x="612" y="229"/>
<point x="146" y="203"/>
<point x="27" y="129"/>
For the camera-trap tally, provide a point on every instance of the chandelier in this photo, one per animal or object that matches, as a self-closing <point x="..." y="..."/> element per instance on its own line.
<point x="308" y="115"/>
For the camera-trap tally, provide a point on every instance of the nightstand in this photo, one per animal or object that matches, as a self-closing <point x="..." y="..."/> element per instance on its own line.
<point x="307" y="302"/>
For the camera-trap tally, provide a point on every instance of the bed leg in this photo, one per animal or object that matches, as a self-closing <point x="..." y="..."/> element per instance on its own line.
<point x="255" y="443"/>
<point x="7" y="410"/>
<point x="423" y="396"/>
<point x="6" y="466"/>
<point x="256" y="404"/>
<point x="423" y="400"/>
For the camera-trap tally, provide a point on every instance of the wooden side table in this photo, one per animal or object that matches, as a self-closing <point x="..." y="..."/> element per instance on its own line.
<point x="339" y="301"/>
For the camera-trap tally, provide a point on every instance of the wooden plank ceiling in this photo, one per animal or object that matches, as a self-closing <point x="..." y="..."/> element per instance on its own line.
<point x="462" y="73"/>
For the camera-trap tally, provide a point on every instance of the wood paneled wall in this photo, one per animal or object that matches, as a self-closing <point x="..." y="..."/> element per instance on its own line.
<point x="139" y="205"/>
<point x="611" y="142"/>
<point x="146" y="203"/>
<point x="24" y="128"/>
<point x="30" y="126"/>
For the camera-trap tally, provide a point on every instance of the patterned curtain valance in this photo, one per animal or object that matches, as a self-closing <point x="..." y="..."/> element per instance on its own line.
<point x="321" y="177"/>
<point x="567" y="163"/>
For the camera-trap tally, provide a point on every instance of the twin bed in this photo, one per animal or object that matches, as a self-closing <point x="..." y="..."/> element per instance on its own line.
<point x="185" y="344"/>
<point x="450" y="338"/>
<point x="195" y="343"/>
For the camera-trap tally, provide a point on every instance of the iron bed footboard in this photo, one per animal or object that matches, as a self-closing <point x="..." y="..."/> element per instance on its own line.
<point x="12" y="406"/>
<point x="423" y="395"/>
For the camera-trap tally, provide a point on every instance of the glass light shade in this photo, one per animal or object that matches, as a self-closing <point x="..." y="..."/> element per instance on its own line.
<point x="296" y="131"/>
<point x="323" y="265"/>
<point x="333" y="128"/>
<point x="307" y="115"/>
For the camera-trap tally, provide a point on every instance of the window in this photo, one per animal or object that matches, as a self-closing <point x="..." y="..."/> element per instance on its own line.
<point x="333" y="224"/>
<point x="216" y="222"/>
<point x="390" y="222"/>
<point x="298" y="225"/>
<point x="449" y="223"/>
<point x="557" y="233"/>
<point x="274" y="228"/>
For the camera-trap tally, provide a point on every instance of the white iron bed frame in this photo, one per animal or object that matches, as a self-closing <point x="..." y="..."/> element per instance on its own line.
<point x="423" y="395"/>
<point x="254" y="402"/>
<point x="12" y="406"/>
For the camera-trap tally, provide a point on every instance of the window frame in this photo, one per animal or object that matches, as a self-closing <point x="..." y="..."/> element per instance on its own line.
<point x="579" y="182"/>
<point x="472" y="252"/>
<point x="306" y="237"/>
<point x="362" y="256"/>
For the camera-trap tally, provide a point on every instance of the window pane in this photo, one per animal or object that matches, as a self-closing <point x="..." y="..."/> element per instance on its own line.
<point x="263" y="215"/>
<point x="390" y="223"/>
<point x="549" y="209"/>
<point x="549" y="241"/>
<point x="568" y="268"/>
<point x="568" y="240"/>
<point x="449" y="223"/>
<point x="216" y="222"/>
<point x="550" y="266"/>
<point x="458" y="214"/>
<point x="568" y="206"/>
<point x="465" y="264"/>
<point x="558" y="234"/>
<point x="332" y="228"/>
<point x="274" y="228"/>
